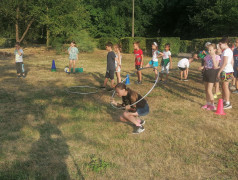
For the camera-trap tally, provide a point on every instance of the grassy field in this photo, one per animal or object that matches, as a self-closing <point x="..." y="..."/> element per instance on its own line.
<point x="46" y="133"/>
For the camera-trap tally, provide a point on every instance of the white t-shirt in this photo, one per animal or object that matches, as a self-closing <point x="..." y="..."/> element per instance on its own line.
<point x="166" y="54"/>
<point x="183" y="63"/>
<point x="229" y="68"/>
<point x="155" y="55"/>
<point x="18" y="58"/>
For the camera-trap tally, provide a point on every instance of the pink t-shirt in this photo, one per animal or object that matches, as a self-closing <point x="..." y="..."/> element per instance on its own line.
<point x="209" y="62"/>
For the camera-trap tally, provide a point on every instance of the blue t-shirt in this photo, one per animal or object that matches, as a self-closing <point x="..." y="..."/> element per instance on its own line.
<point x="73" y="53"/>
<point x="235" y="54"/>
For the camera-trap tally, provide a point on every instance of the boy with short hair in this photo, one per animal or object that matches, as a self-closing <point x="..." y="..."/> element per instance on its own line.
<point x="138" y="60"/>
<point x="110" y="66"/>
<point x="183" y="65"/>
<point x="19" y="60"/>
<point x="235" y="56"/>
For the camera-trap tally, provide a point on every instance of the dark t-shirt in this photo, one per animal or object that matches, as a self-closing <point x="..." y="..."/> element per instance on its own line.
<point x="127" y="100"/>
<point x="235" y="54"/>
<point x="111" y="61"/>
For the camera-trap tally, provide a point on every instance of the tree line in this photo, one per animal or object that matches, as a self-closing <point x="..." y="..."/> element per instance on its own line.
<point x="48" y="21"/>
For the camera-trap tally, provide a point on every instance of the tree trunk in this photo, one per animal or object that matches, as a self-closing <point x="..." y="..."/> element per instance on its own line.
<point x="47" y="37"/>
<point x="16" y="24"/>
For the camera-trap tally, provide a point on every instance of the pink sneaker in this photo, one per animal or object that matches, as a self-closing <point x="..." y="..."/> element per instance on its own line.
<point x="211" y="108"/>
<point x="205" y="106"/>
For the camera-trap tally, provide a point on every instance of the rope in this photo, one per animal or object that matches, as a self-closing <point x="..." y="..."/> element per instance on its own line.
<point x="144" y="95"/>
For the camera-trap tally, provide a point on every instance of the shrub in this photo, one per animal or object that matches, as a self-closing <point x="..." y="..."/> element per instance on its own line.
<point x="185" y="46"/>
<point x="6" y="42"/>
<point x="174" y="44"/>
<point x="83" y="41"/>
<point x="127" y="44"/>
<point x="102" y="42"/>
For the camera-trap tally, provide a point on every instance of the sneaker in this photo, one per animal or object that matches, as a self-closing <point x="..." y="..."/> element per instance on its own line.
<point x="142" y="122"/>
<point x="215" y="96"/>
<point x="232" y="88"/>
<point x="211" y="108"/>
<point x="18" y="76"/>
<point x="205" y="106"/>
<point x="68" y="73"/>
<point x="139" y="130"/>
<point x="235" y="92"/>
<point x="140" y="82"/>
<point x="185" y="80"/>
<point x="218" y="93"/>
<point x="227" y="106"/>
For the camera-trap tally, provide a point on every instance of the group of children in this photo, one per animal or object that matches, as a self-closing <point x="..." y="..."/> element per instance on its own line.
<point x="220" y="63"/>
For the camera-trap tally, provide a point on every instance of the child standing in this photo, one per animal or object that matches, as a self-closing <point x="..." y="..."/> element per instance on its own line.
<point x="183" y="65"/>
<point x="73" y="56"/>
<point x="166" y="63"/>
<point x="19" y="60"/>
<point x="117" y="50"/>
<point x="211" y="68"/>
<point x="155" y="55"/>
<point x="138" y="60"/>
<point x="132" y="113"/>
<point x="110" y="66"/>
<point x="235" y="54"/>
<point x="226" y="71"/>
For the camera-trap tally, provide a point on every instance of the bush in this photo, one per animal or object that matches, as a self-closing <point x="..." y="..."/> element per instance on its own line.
<point x="185" y="46"/>
<point x="57" y="44"/>
<point x="102" y="42"/>
<point x="83" y="41"/>
<point x="127" y="44"/>
<point x="149" y="42"/>
<point x="6" y="42"/>
<point x="174" y="44"/>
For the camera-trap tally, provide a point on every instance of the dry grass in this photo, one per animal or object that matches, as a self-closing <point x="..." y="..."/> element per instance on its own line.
<point x="46" y="133"/>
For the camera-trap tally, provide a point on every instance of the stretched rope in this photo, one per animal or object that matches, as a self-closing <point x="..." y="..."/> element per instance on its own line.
<point x="76" y="92"/>
<point x="144" y="95"/>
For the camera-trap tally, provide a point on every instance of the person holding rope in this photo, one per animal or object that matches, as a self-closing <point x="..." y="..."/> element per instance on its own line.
<point x="132" y="112"/>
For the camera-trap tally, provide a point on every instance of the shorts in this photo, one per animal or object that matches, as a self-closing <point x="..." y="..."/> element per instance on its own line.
<point x="72" y="59"/>
<point x="137" y="67"/>
<point x="235" y="71"/>
<point x="165" y="69"/>
<point x="110" y="74"/>
<point x="119" y="69"/>
<point x="19" y="67"/>
<point x="143" y="111"/>
<point x="210" y="75"/>
<point x="182" y="69"/>
<point x="226" y="76"/>
<point x="154" y="63"/>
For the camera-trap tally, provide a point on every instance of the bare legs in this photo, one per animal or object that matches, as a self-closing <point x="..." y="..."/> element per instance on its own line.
<point x="131" y="117"/>
<point x="105" y="82"/>
<point x="70" y="64"/>
<point x="225" y="91"/>
<point x="118" y="74"/>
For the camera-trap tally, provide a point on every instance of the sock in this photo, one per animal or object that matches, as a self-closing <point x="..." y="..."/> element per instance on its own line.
<point x="228" y="102"/>
<point x="208" y="103"/>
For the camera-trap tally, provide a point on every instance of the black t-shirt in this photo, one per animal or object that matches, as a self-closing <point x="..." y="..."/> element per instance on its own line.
<point x="127" y="100"/>
<point x="111" y="61"/>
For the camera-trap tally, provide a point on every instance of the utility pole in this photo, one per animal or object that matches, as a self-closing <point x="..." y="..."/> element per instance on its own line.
<point x="133" y="18"/>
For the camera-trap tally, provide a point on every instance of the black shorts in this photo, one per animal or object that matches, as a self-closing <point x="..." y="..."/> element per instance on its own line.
<point x="210" y="75"/>
<point x="110" y="74"/>
<point x="137" y="67"/>
<point x="182" y="69"/>
<point x="19" y="67"/>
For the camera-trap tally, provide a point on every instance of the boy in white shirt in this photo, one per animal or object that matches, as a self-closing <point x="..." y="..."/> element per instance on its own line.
<point x="183" y="65"/>
<point x="19" y="60"/>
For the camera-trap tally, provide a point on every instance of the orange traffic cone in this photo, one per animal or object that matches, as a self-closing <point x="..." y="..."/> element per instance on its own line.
<point x="220" y="110"/>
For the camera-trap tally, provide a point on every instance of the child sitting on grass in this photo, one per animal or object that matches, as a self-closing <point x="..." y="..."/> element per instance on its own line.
<point x="138" y="61"/>
<point x="117" y="50"/>
<point x="183" y="65"/>
<point x="132" y="113"/>
<point x="211" y="68"/>
<point x="155" y="55"/>
<point x="19" y="60"/>
<point x="110" y="66"/>
<point x="73" y="56"/>
<point x="166" y="63"/>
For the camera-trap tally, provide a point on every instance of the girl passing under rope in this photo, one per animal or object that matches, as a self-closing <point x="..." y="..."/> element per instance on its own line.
<point x="132" y="112"/>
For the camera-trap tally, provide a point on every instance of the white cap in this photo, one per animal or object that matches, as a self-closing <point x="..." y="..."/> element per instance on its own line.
<point x="207" y="44"/>
<point x="154" y="43"/>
